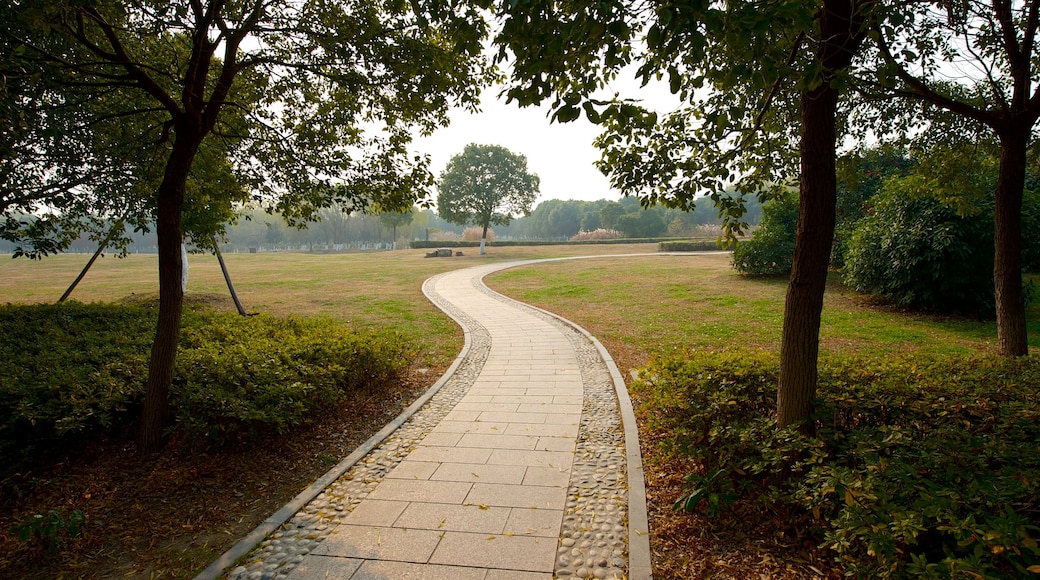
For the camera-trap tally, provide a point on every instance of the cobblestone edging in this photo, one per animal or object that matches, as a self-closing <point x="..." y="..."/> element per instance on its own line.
<point x="593" y="541"/>
<point x="282" y="550"/>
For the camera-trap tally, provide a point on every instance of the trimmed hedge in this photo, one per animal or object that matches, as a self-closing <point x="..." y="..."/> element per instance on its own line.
<point x="423" y="244"/>
<point x="689" y="246"/>
<point x="75" y="370"/>
<point x="920" y="468"/>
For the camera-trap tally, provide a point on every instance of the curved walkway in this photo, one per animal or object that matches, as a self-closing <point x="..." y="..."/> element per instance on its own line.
<point x="516" y="464"/>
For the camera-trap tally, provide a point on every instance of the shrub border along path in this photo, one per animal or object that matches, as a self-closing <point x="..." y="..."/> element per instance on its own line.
<point x="323" y="495"/>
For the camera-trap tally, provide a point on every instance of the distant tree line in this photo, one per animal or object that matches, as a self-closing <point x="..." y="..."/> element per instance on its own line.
<point x="556" y="219"/>
<point x="336" y="230"/>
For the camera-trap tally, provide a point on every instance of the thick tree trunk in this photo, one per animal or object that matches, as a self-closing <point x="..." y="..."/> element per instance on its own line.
<point x="799" y="347"/>
<point x="841" y="31"/>
<point x="1007" y="258"/>
<point x="483" y="239"/>
<point x="155" y="417"/>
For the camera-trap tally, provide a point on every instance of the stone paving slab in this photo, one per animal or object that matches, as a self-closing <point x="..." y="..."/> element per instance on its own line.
<point x="515" y="465"/>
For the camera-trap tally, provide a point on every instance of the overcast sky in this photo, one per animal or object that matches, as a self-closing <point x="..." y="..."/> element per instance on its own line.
<point x="561" y="154"/>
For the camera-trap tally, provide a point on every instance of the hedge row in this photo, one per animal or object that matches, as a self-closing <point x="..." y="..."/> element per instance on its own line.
<point x="689" y="246"/>
<point x="73" y="370"/>
<point x="919" y="468"/>
<point x="424" y="244"/>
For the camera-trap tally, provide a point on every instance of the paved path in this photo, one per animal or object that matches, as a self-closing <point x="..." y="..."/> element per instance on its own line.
<point x="515" y="465"/>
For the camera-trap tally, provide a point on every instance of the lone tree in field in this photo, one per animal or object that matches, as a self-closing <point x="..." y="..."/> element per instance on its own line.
<point x="484" y="185"/>
<point x="312" y="104"/>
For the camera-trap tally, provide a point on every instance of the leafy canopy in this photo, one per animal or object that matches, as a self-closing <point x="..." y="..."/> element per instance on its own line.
<point x="299" y="105"/>
<point x="485" y="185"/>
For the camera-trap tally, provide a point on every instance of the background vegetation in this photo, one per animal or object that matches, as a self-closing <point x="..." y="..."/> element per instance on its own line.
<point x="916" y="416"/>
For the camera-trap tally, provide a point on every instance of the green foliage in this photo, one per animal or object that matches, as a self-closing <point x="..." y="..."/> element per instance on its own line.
<point x="1031" y="228"/>
<point x="770" y="250"/>
<point x="860" y="177"/>
<point x="645" y="223"/>
<point x="920" y="468"/>
<point x="688" y="246"/>
<point x="238" y="375"/>
<point x="50" y="530"/>
<point x="71" y="369"/>
<point x="921" y="254"/>
<point x="77" y="370"/>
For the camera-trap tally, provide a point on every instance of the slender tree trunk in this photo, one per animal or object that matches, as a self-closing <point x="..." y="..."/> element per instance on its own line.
<point x="840" y="31"/>
<point x="1007" y="240"/>
<point x="227" y="277"/>
<point x="483" y="239"/>
<point x="800" y="343"/>
<point x="101" y="248"/>
<point x="155" y="417"/>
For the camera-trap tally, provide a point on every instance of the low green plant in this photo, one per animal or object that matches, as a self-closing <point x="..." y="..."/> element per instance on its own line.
<point x="770" y="250"/>
<point x="50" y="530"/>
<point x="78" y="370"/>
<point x="919" y="467"/>
<point x="70" y="369"/>
<point x="688" y="246"/>
<point x="243" y="376"/>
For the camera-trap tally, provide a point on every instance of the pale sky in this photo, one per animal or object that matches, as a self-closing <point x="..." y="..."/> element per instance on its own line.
<point x="561" y="154"/>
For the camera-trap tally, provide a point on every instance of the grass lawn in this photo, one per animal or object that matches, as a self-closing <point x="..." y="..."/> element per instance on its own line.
<point x="645" y="307"/>
<point x="362" y="289"/>
<point x="640" y="306"/>
<point x="637" y="306"/>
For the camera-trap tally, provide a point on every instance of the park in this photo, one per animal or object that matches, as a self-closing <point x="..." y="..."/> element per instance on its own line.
<point x="791" y="339"/>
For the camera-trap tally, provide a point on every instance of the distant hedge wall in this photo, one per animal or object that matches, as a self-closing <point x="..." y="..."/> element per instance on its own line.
<point x="688" y="246"/>
<point x="418" y="244"/>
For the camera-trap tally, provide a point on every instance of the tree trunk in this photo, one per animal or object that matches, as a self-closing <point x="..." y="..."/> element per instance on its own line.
<point x="1007" y="241"/>
<point x="800" y="342"/>
<point x="483" y="239"/>
<point x="155" y="417"/>
<point x="841" y="31"/>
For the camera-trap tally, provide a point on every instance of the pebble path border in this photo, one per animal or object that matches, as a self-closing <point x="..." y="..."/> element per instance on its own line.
<point x="593" y="538"/>
<point x="595" y="529"/>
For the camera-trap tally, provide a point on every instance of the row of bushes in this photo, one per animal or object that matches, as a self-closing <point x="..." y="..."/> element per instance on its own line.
<point x="919" y="468"/>
<point x="688" y="246"/>
<point x="424" y="244"/>
<point x="916" y="252"/>
<point x="76" y="369"/>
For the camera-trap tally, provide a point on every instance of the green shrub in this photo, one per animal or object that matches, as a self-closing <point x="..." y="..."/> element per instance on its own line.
<point x="918" y="469"/>
<point x="688" y="246"/>
<point x="921" y="254"/>
<point x="770" y="250"/>
<point x="238" y="376"/>
<point x="75" y="370"/>
<point x="69" y="369"/>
